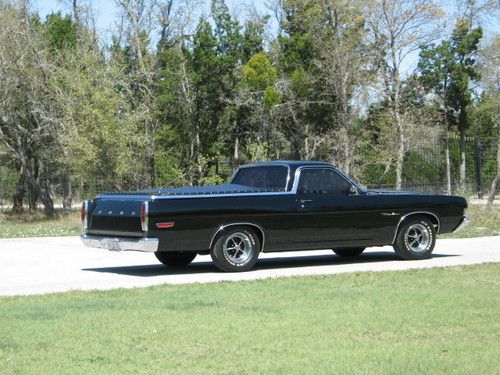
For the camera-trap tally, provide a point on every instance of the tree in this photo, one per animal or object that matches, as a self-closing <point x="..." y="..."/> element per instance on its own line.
<point x="397" y="29"/>
<point x="257" y="94"/>
<point x="490" y="104"/>
<point x="204" y="66"/>
<point x="448" y="70"/>
<point x="137" y="24"/>
<point x="343" y="71"/>
<point x="298" y="112"/>
<point x="435" y="73"/>
<point x="176" y="146"/>
<point x="30" y="110"/>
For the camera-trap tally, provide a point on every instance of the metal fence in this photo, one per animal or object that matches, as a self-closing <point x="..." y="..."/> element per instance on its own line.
<point x="425" y="168"/>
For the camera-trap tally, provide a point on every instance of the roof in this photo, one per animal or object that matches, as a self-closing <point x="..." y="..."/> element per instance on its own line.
<point x="286" y="163"/>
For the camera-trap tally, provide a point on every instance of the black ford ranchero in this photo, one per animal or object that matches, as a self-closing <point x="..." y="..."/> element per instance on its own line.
<point x="270" y="207"/>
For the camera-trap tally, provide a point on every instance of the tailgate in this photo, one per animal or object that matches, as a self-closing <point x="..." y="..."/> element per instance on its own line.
<point x="116" y="215"/>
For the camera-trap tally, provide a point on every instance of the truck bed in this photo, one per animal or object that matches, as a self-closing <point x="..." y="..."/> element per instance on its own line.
<point x="199" y="190"/>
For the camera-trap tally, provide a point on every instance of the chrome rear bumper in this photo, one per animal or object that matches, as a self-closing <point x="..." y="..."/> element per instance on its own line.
<point x="121" y="244"/>
<point x="465" y="220"/>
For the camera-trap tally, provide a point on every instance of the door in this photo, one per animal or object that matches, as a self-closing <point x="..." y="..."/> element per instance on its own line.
<point x="332" y="213"/>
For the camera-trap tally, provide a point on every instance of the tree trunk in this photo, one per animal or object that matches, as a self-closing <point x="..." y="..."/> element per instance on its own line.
<point x="76" y="13"/>
<point x="448" y="166"/>
<point x="67" y="194"/>
<point x="32" y="178"/>
<point x="47" y="200"/>
<point x="462" y="118"/>
<point x="197" y="152"/>
<point x="462" y="161"/>
<point x="18" y="197"/>
<point x="151" y="167"/>
<point x="346" y="149"/>
<point x="400" y="157"/>
<point x="396" y="108"/>
<point x="236" y="153"/>
<point x="447" y="147"/>
<point x="297" y="137"/>
<point x="400" y="140"/>
<point x="344" y="116"/>
<point x="496" y="181"/>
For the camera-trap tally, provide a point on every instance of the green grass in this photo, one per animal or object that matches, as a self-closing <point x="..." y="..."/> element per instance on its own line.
<point x="484" y="222"/>
<point x="36" y="224"/>
<point x="420" y="321"/>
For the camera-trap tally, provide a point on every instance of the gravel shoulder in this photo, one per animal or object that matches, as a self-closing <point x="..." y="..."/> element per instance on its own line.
<point x="59" y="264"/>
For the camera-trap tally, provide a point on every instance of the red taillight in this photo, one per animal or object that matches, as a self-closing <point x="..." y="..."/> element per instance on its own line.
<point x="144" y="216"/>
<point x="83" y="213"/>
<point x="169" y="224"/>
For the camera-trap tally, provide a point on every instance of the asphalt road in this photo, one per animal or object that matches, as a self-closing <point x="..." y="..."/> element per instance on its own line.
<point x="45" y="265"/>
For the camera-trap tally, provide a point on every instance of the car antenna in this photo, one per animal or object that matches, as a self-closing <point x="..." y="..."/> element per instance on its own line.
<point x="168" y="183"/>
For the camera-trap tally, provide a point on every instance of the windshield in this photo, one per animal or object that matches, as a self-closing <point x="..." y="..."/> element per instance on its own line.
<point x="268" y="177"/>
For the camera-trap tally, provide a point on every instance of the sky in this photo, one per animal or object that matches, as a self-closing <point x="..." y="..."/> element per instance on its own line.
<point x="107" y="12"/>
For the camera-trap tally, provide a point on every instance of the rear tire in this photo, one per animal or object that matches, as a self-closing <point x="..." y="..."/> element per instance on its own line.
<point x="349" y="253"/>
<point x="236" y="250"/>
<point x="175" y="259"/>
<point x="416" y="239"/>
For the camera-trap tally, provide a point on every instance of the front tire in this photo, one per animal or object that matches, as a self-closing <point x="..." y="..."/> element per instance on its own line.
<point x="349" y="253"/>
<point x="416" y="239"/>
<point x="175" y="259"/>
<point x="236" y="250"/>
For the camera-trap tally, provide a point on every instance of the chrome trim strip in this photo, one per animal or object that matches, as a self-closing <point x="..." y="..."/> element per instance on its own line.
<point x="148" y="245"/>
<point x="225" y="195"/>
<point x="222" y="227"/>
<point x="463" y="223"/>
<point x="415" y="213"/>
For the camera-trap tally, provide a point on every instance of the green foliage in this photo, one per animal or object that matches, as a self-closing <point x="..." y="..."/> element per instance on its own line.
<point x="303" y="18"/>
<point x="271" y="97"/>
<point x="449" y="67"/>
<point x="105" y="146"/>
<point x="253" y="37"/>
<point x="259" y="72"/>
<point x="257" y="151"/>
<point x="7" y="184"/>
<point x="60" y="31"/>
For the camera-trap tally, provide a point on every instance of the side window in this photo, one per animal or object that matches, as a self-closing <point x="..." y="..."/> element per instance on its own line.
<point x="322" y="181"/>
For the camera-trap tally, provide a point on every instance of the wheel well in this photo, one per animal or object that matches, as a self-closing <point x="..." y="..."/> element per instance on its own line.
<point x="258" y="230"/>
<point x="429" y="215"/>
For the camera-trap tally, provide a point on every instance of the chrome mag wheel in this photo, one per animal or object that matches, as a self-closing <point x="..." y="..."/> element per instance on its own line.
<point x="238" y="248"/>
<point x="417" y="238"/>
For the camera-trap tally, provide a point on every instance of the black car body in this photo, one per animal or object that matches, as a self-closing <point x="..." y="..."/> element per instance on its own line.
<point x="286" y="205"/>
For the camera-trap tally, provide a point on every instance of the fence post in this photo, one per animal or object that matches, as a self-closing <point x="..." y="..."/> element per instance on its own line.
<point x="478" y="164"/>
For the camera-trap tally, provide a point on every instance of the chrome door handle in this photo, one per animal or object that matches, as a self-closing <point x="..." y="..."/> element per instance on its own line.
<point x="302" y="201"/>
<point x="391" y="213"/>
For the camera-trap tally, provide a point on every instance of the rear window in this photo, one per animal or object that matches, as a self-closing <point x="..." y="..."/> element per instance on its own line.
<point x="273" y="177"/>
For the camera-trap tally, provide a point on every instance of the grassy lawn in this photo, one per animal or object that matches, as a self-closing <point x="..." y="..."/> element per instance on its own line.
<point x="420" y="321"/>
<point x="37" y="225"/>
<point x="483" y="223"/>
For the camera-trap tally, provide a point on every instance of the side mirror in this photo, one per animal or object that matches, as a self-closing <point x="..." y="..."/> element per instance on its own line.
<point x="353" y="190"/>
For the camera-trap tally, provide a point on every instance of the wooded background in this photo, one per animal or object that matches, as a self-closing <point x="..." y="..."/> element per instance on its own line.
<point x="174" y="97"/>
